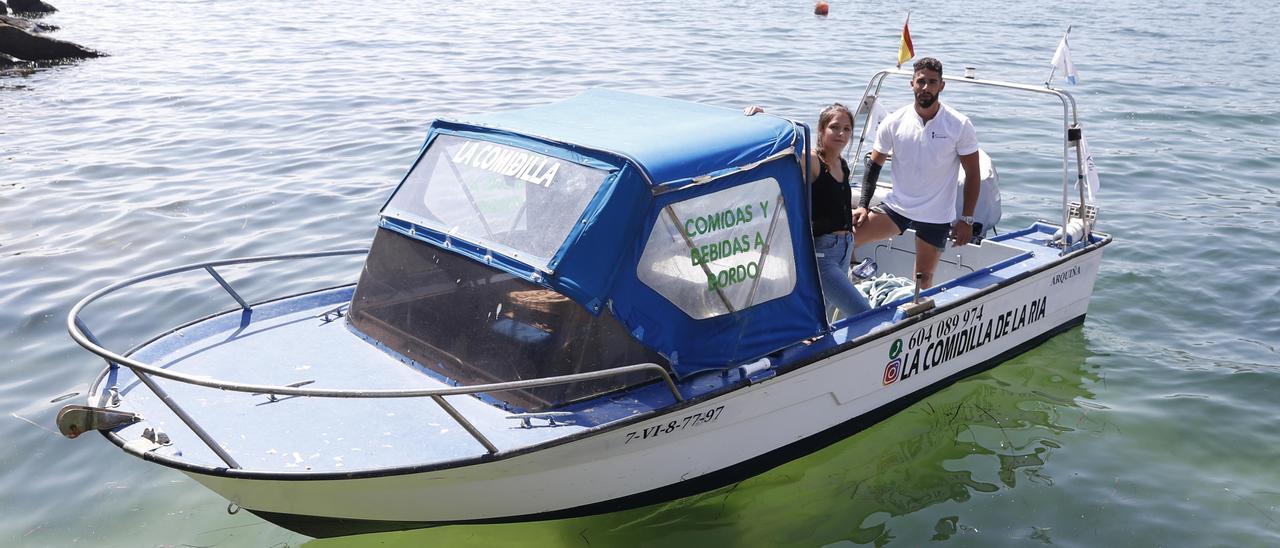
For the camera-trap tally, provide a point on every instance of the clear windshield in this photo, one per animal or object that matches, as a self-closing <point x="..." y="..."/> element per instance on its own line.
<point x="514" y="201"/>
<point x="475" y="324"/>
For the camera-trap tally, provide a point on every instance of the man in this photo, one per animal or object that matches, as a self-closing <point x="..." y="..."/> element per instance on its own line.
<point x="930" y="142"/>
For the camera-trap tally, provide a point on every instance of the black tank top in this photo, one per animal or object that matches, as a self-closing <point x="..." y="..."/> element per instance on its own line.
<point x="832" y="201"/>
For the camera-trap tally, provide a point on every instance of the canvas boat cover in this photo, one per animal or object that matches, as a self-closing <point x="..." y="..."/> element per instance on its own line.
<point x="688" y="223"/>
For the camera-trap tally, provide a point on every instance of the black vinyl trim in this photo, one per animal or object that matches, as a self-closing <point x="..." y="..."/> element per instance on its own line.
<point x="316" y="526"/>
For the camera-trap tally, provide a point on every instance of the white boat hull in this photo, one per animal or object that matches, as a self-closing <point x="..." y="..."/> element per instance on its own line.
<point x="704" y="444"/>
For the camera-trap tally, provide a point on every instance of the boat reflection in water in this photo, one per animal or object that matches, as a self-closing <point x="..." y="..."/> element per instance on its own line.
<point x="984" y="435"/>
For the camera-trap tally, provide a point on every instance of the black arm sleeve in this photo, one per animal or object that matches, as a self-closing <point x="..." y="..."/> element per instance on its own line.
<point x="869" y="178"/>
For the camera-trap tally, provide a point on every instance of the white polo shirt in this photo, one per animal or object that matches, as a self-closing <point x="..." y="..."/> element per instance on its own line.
<point x="926" y="161"/>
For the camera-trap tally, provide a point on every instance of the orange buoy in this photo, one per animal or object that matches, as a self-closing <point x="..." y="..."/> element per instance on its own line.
<point x="821" y="8"/>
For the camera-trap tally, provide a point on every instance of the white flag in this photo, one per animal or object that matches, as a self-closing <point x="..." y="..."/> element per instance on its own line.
<point x="1090" y="170"/>
<point x="1062" y="61"/>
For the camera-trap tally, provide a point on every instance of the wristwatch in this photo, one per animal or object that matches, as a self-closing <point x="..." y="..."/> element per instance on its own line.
<point x="967" y="219"/>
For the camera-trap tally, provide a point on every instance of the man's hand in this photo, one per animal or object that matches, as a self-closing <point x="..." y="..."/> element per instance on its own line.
<point x="961" y="233"/>
<point x="753" y="110"/>
<point x="860" y="216"/>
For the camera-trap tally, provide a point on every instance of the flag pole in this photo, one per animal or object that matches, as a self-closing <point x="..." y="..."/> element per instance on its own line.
<point x="1053" y="69"/>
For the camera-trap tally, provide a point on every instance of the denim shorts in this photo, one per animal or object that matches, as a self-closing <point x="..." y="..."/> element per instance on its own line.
<point x="833" y="253"/>
<point x="935" y="234"/>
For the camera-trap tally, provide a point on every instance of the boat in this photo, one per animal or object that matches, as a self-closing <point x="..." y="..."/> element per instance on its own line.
<point x="578" y="308"/>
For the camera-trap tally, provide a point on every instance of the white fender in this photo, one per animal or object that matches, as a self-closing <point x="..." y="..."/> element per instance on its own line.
<point x="988" y="210"/>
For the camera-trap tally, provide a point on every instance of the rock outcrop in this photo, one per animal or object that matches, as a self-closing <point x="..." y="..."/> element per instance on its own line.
<point x="31" y="7"/>
<point x="24" y="45"/>
<point x="21" y="38"/>
<point x="7" y="62"/>
<point x="26" y="24"/>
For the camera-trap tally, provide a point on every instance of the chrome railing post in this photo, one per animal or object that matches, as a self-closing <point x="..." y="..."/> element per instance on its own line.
<point x="671" y="384"/>
<point x="466" y="424"/>
<point x="89" y="335"/>
<point x="168" y="401"/>
<point x="187" y="419"/>
<point x="227" y="287"/>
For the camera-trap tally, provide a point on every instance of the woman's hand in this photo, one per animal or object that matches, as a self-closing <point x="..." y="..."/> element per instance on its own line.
<point x="860" y="216"/>
<point x="753" y="109"/>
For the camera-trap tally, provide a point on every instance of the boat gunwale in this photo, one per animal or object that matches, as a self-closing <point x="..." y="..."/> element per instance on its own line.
<point x="1102" y="240"/>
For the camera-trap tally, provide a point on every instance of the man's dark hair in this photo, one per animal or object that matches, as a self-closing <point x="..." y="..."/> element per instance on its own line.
<point x="928" y="63"/>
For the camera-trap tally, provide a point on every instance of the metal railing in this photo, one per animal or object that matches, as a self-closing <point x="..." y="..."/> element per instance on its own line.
<point x="1070" y="127"/>
<point x="81" y="335"/>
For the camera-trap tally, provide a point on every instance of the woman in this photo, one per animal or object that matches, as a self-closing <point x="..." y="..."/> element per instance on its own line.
<point x="832" y="213"/>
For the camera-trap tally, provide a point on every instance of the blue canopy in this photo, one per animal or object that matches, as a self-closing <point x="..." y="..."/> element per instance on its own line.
<point x="673" y="140"/>
<point x="689" y="223"/>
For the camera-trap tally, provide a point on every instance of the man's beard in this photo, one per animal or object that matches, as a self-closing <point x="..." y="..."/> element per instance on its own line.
<point x="926" y="101"/>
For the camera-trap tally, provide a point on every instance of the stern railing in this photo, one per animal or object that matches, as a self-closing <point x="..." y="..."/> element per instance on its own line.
<point x="1071" y="131"/>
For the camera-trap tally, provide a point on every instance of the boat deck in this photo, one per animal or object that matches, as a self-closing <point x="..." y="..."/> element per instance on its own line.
<point x="290" y="342"/>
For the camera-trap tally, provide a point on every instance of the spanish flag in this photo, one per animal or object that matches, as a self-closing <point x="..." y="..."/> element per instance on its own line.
<point x="905" y="50"/>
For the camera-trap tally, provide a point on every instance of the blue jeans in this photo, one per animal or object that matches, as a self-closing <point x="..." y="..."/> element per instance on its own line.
<point x="834" y="253"/>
